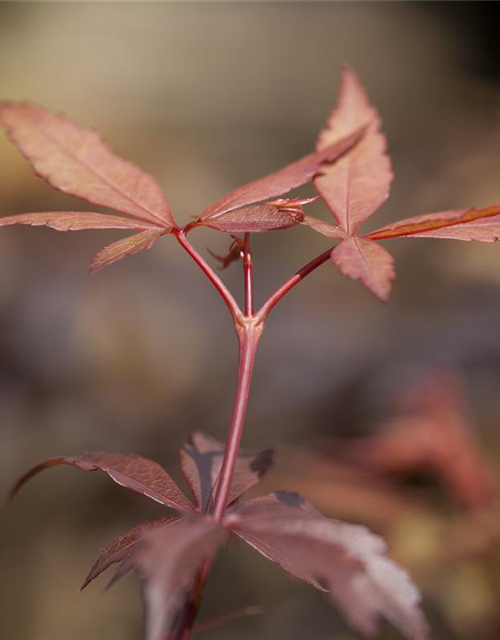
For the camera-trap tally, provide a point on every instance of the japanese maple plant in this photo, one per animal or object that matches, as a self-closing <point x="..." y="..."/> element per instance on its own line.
<point x="351" y="172"/>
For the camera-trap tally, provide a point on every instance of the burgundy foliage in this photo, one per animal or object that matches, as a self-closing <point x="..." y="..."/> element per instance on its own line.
<point x="352" y="174"/>
<point x="357" y="184"/>
<point x="76" y="161"/>
<point x="350" y="169"/>
<point x="347" y="562"/>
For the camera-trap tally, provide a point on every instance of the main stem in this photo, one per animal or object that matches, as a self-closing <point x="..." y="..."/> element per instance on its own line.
<point x="249" y="335"/>
<point x="249" y="332"/>
<point x="249" y="327"/>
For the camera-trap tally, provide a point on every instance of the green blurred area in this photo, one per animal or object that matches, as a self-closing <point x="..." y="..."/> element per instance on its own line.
<point x="207" y="96"/>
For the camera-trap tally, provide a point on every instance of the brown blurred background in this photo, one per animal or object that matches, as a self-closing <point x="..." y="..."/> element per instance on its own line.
<point x="207" y="96"/>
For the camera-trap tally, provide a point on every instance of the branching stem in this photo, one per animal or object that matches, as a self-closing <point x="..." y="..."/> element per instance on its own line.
<point x="298" y="276"/>
<point x="249" y="327"/>
<point x="231" y="303"/>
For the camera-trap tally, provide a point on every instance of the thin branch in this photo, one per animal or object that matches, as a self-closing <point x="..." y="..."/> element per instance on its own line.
<point x="231" y="303"/>
<point x="273" y="300"/>
<point x="248" y="271"/>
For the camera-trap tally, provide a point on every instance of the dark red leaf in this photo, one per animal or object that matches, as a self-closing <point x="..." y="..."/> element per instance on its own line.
<point x="362" y="259"/>
<point x="167" y="561"/>
<point x="76" y="221"/>
<point x="76" y="161"/>
<point x="123" y="546"/>
<point x="348" y="559"/>
<point x="133" y="472"/>
<point x="482" y="225"/>
<point x="358" y="183"/>
<point x="290" y="177"/>
<point x="123" y="248"/>
<point x="258" y="218"/>
<point x="201" y="460"/>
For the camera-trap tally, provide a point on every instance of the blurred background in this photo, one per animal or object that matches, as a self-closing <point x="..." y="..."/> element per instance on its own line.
<point x="207" y="96"/>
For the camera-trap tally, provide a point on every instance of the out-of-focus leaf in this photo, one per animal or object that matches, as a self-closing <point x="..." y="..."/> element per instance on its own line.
<point x="280" y="214"/>
<point x="123" y="248"/>
<point x="347" y="559"/>
<point x="290" y="177"/>
<point x="361" y="259"/>
<point x="167" y="561"/>
<point x="357" y="184"/>
<point x="133" y="472"/>
<point x="201" y="461"/>
<point x="76" y="161"/>
<point x="123" y="546"/>
<point x="430" y="433"/>
<point x="482" y="225"/>
<point x="76" y="221"/>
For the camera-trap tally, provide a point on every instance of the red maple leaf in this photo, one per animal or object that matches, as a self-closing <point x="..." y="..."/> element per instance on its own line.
<point x="345" y="561"/>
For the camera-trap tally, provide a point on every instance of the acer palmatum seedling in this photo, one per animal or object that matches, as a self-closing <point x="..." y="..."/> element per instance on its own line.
<point x="352" y="175"/>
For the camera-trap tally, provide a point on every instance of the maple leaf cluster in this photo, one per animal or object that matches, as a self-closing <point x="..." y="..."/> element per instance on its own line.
<point x="352" y="173"/>
<point x="349" y="168"/>
<point x="345" y="561"/>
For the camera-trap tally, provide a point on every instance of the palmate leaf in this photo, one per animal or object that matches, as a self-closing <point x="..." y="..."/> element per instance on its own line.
<point x="354" y="187"/>
<point x="357" y="184"/>
<point x="201" y="459"/>
<point x="348" y="559"/>
<point x="77" y="162"/>
<point x="345" y="561"/>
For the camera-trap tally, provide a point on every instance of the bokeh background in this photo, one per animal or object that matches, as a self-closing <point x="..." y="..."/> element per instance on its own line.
<point x="207" y="96"/>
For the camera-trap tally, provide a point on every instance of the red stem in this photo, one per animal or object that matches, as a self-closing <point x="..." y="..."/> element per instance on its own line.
<point x="249" y="333"/>
<point x="249" y="328"/>
<point x="273" y="300"/>
<point x="210" y="273"/>
<point x="248" y="271"/>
